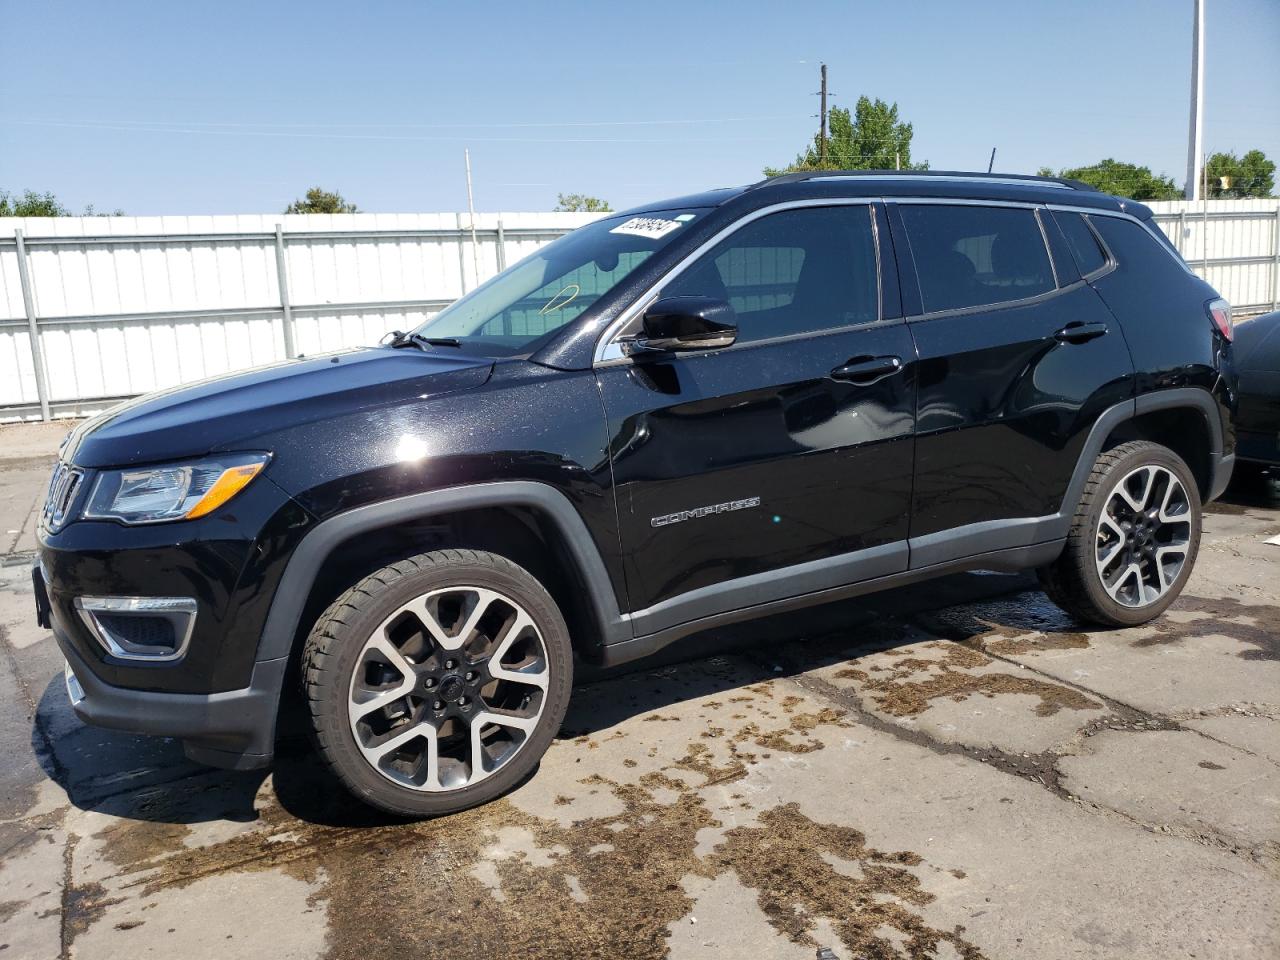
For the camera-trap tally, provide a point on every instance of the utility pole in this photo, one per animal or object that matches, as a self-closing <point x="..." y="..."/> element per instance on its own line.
<point x="822" y="127"/>
<point x="1195" y="136"/>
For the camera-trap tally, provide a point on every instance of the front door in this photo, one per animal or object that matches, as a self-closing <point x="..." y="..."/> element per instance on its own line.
<point x="780" y="465"/>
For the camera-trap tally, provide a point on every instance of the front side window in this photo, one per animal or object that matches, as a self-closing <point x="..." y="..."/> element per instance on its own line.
<point x="555" y="285"/>
<point x="971" y="256"/>
<point x="797" y="271"/>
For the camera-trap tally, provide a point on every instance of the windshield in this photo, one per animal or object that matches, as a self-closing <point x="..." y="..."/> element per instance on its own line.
<point x="556" y="284"/>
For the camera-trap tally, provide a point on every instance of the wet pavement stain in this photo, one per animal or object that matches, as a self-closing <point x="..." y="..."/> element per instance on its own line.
<point x="597" y="886"/>
<point x="82" y="906"/>
<point x="898" y="694"/>
<point x="1255" y="625"/>
<point x="699" y="759"/>
<point x="782" y="859"/>
<point x="127" y="842"/>
<point x="1022" y="623"/>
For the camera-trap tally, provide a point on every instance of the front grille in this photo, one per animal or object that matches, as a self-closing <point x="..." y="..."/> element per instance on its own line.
<point x="63" y="487"/>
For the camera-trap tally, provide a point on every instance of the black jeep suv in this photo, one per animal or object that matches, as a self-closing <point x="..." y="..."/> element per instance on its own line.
<point x="704" y="410"/>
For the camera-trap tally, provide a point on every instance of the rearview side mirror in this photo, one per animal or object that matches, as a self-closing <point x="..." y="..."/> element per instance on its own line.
<point x="675" y="324"/>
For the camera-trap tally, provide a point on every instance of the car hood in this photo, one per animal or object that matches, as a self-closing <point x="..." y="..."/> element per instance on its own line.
<point x="216" y="414"/>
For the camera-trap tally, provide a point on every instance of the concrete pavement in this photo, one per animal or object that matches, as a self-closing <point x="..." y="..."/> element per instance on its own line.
<point x="952" y="770"/>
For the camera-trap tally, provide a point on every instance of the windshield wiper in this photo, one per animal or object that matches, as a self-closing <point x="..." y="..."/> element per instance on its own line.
<point x="400" y="339"/>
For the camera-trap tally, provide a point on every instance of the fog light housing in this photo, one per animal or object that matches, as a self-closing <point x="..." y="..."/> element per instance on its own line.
<point x="154" y="629"/>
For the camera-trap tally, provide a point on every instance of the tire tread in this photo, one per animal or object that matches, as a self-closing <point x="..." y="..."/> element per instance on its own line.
<point x="1067" y="580"/>
<point x="328" y="637"/>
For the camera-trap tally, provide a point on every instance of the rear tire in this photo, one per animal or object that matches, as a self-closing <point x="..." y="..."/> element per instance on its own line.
<point x="437" y="683"/>
<point x="1133" y="538"/>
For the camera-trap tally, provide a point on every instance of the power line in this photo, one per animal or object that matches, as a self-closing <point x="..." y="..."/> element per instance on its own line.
<point x="548" y="124"/>
<point x="298" y="134"/>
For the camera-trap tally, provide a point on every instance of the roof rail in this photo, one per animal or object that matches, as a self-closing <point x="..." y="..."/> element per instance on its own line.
<point x="802" y="175"/>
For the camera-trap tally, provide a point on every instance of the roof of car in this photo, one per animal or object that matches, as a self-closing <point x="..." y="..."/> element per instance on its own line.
<point x="943" y="184"/>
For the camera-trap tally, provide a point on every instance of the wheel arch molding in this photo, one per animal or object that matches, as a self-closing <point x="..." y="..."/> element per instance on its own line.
<point x="1204" y="443"/>
<point x="281" y="629"/>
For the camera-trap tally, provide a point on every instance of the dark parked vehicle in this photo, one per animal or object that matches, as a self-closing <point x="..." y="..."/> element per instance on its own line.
<point x="1257" y="353"/>
<point x="701" y="411"/>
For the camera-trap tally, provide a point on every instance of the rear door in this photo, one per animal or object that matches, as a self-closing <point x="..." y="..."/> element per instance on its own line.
<point x="1017" y="361"/>
<point x="779" y="465"/>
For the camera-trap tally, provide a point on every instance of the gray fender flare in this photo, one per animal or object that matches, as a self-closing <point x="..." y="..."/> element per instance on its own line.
<point x="1190" y="398"/>
<point x="948" y="545"/>
<point x="310" y="555"/>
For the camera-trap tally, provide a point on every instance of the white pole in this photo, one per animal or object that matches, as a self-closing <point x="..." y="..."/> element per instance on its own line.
<point x="1204" y="222"/>
<point x="471" y="209"/>
<point x="1195" y="134"/>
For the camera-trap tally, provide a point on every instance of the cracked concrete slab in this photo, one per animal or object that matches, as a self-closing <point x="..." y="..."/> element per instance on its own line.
<point x="179" y="924"/>
<point x="949" y="771"/>
<point x="955" y="694"/>
<point x="1221" y="792"/>
<point x="1253" y="733"/>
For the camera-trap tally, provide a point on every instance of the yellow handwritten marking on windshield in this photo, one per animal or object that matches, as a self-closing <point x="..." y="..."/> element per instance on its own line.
<point x="552" y="305"/>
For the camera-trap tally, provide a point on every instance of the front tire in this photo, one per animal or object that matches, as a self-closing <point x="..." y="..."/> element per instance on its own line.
<point x="436" y="684"/>
<point x="1133" y="539"/>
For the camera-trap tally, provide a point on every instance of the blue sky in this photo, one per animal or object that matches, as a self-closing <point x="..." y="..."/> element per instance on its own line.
<point x="226" y="106"/>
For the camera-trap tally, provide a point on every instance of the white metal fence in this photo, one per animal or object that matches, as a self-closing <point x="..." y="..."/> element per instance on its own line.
<point x="93" y="309"/>
<point x="1233" y="244"/>
<point x="117" y="306"/>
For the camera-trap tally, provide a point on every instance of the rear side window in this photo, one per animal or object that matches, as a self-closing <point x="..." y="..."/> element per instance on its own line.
<point x="971" y="256"/>
<point x="1084" y="246"/>
<point x="797" y="271"/>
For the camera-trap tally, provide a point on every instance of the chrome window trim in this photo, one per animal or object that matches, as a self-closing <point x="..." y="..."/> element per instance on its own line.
<point x="608" y="352"/>
<point x="1121" y="215"/>
<point x="1048" y="249"/>
<point x="993" y="307"/>
<point x="172" y="607"/>
<point x="771" y="341"/>
<point x="1111" y="262"/>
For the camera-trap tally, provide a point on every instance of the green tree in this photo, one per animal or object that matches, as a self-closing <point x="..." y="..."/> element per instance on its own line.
<point x="1122" y="179"/>
<point x="319" y="200"/>
<point x="31" y="204"/>
<point x="581" y="203"/>
<point x="870" y="138"/>
<point x="1252" y="175"/>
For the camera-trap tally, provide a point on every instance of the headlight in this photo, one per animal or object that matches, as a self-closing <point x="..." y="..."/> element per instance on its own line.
<point x="178" y="491"/>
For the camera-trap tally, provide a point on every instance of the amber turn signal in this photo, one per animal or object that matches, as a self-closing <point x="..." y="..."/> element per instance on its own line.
<point x="232" y="481"/>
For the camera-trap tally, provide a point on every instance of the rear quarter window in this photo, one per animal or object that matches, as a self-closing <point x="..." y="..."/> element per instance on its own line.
<point x="972" y="256"/>
<point x="1082" y="241"/>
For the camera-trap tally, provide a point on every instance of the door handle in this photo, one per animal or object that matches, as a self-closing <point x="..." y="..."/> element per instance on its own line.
<point x="1080" y="332"/>
<point x="867" y="370"/>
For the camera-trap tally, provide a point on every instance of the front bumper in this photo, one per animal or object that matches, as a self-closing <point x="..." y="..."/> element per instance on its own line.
<point x="234" y="729"/>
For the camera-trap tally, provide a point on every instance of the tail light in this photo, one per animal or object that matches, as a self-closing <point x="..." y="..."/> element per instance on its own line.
<point x="1220" y="314"/>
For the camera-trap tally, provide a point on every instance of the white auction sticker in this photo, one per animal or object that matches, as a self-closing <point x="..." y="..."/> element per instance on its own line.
<point x="651" y="227"/>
